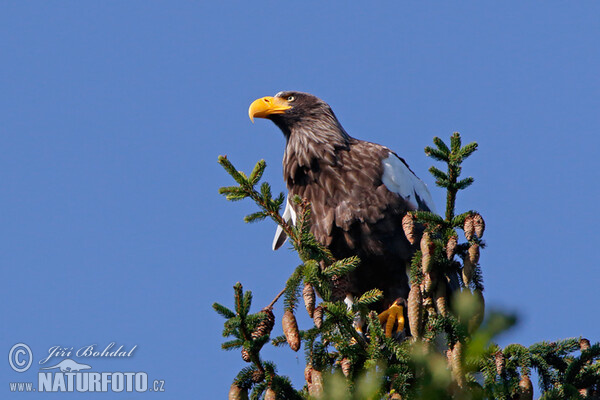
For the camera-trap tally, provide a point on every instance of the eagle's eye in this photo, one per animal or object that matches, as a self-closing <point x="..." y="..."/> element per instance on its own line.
<point x="291" y="98"/>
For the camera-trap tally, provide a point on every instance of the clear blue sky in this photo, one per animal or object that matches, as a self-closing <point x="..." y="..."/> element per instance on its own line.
<point x="112" y="115"/>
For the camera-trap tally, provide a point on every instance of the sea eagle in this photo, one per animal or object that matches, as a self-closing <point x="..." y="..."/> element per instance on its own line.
<point x="359" y="193"/>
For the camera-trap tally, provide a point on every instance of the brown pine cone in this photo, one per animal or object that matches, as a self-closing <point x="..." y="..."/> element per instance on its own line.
<point x="270" y="394"/>
<point x="346" y="365"/>
<point x="441" y="302"/>
<point x="427" y="285"/>
<point x="500" y="362"/>
<point x="474" y="253"/>
<point x="246" y="355"/>
<point x="457" y="368"/>
<point x="584" y="344"/>
<point x="427" y="249"/>
<point x="317" y="384"/>
<point x="290" y="330"/>
<point x="309" y="299"/>
<point x="525" y="388"/>
<point x="318" y="317"/>
<point x="477" y="318"/>
<point x="237" y="393"/>
<point x="408" y="225"/>
<point x="258" y="376"/>
<point x="451" y="246"/>
<point x="469" y="227"/>
<point x="467" y="271"/>
<point x="266" y="325"/>
<point x="415" y="311"/>
<point x="478" y="225"/>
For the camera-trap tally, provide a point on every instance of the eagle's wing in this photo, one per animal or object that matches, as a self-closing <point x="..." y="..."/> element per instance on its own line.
<point x="289" y="216"/>
<point x="398" y="178"/>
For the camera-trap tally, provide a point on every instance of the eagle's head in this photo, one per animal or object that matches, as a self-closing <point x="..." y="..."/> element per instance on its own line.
<point x="297" y="113"/>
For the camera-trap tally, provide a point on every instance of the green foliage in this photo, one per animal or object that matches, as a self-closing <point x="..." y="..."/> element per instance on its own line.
<point x="451" y="354"/>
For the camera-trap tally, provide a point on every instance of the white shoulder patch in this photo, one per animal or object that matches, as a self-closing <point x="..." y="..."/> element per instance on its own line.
<point x="289" y="216"/>
<point x="398" y="178"/>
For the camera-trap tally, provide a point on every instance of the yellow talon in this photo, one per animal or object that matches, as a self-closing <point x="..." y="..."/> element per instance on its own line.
<point x="392" y="316"/>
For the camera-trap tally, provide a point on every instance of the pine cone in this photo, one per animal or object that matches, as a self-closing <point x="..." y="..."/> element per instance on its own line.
<point x="451" y="246"/>
<point x="467" y="271"/>
<point x="427" y="249"/>
<point x="474" y="253"/>
<point x="266" y="325"/>
<point x="441" y="302"/>
<point x="477" y="318"/>
<point x="457" y="368"/>
<point x="584" y="344"/>
<point x="270" y="394"/>
<point x="469" y="227"/>
<point x="500" y="362"/>
<point x="478" y="225"/>
<point x="258" y="376"/>
<point x="408" y="225"/>
<point x="415" y="311"/>
<point x="237" y="393"/>
<point x="317" y="383"/>
<point x="308" y="374"/>
<point x="318" y="317"/>
<point x="290" y="330"/>
<point x="346" y="365"/>
<point x="309" y="299"/>
<point x="525" y="388"/>
<point x="246" y="355"/>
<point x="427" y="285"/>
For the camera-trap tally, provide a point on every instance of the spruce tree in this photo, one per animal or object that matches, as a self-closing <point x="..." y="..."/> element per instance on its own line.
<point x="450" y="354"/>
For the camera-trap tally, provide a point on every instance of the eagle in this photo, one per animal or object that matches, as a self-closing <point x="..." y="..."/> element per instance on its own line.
<point x="359" y="192"/>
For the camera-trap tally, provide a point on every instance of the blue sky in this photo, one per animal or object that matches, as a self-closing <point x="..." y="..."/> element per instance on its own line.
<point x="112" y="116"/>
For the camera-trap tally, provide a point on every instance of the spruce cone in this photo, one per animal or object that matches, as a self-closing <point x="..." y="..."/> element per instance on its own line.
<point x="427" y="285"/>
<point x="525" y="388"/>
<point x="451" y="246"/>
<point x="441" y="302"/>
<point x="457" y="369"/>
<point x="477" y="318"/>
<point x="309" y="299"/>
<point x="500" y="362"/>
<point x="415" y="311"/>
<point x="427" y="249"/>
<point x="258" y="376"/>
<point x="584" y="344"/>
<point x="290" y="330"/>
<point x="308" y="377"/>
<point x="237" y="393"/>
<point x="467" y="271"/>
<point x="469" y="227"/>
<point x="270" y="394"/>
<point x="266" y="325"/>
<point x="346" y="366"/>
<point x="408" y="224"/>
<point x="318" y="317"/>
<point x="478" y="225"/>
<point x="317" y="383"/>
<point x="246" y="355"/>
<point x="474" y="253"/>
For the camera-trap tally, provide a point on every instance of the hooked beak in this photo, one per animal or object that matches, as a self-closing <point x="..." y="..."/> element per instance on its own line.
<point x="265" y="106"/>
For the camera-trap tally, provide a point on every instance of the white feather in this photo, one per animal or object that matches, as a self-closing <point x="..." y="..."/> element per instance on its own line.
<point x="289" y="216"/>
<point x="398" y="178"/>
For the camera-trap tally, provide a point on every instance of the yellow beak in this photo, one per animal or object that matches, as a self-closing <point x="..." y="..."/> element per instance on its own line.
<point x="265" y="106"/>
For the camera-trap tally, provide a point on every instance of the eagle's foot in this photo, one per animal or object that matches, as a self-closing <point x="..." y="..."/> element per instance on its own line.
<point x="393" y="317"/>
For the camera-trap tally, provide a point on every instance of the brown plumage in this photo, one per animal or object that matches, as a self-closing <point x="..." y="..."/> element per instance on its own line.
<point x="359" y="191"/>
